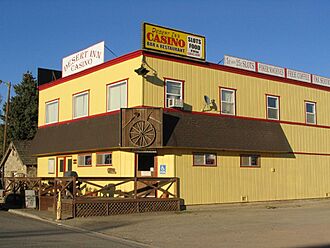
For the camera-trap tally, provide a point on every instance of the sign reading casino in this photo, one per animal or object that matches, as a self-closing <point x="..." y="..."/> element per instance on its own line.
<point x="166" y="40"/>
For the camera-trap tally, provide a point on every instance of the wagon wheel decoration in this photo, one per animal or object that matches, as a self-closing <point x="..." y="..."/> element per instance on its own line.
<point x="142" y="133"/>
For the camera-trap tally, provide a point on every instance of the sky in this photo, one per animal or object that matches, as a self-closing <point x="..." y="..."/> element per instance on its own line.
<point x="39" y="33"/>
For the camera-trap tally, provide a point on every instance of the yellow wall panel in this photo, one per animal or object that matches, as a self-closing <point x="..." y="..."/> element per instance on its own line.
<point x="280" y="177"/>
<point x="251" y="91"/>
<point x="122" y="163"/>
<point x="96" y="83"/>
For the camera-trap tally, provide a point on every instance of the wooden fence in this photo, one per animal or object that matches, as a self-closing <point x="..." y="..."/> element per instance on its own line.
<point x="98" y="196"/>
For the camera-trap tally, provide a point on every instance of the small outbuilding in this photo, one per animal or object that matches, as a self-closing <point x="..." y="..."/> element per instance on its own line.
<point x="18" y="160"/>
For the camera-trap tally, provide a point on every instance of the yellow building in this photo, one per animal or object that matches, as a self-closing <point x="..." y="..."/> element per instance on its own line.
<point x="229" y="134"/>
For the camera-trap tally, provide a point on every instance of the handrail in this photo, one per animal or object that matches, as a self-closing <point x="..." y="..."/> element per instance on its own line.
<point x="111" y="187"/>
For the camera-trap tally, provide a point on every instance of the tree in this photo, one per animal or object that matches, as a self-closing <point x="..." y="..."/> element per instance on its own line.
<point x="23" y="110"/>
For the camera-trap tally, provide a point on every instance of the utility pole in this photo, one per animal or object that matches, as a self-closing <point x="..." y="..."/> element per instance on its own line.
<point x="5" y="134"/>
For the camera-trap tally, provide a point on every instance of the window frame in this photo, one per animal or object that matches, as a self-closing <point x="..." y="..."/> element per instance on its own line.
<point x="204" y="155"/>
<point x="108" y="90"/>
<point x="278" y="107"/>
<point x="315" y="112"/>
<point x="103" y="153"/>
<point x="85" y="154"/>
<point x="233" y="90"/>
<point x="181" y="82"/>
<point x="250" y="164"/>
<point x="73" y="103"/>
<point x="54" y="166"/>
<point x="58" y="110"/>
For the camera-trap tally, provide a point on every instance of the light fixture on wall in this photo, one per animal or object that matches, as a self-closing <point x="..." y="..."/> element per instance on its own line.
<point x="142" y="71"/>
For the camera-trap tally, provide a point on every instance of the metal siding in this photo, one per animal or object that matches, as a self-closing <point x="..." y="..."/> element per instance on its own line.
<point x="95" y="82"/>
<point x="305" y="176"/>
<point x="251" y="91"/>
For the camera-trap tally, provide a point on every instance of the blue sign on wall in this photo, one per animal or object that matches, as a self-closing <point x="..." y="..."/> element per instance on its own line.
<point x="162" y="169"/>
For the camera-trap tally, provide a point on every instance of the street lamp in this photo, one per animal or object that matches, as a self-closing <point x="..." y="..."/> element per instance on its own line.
<point x="5" y="133"/>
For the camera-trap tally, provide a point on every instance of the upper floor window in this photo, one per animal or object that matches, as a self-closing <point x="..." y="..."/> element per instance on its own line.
<point x="228" y="101"/>
<point x="80" y="104"/>
<point x="310" y="108"/>
<point x="273" y="109"/>
<point x="117" y="96"/>
<point x="173" y="93"/>
<point x="250" y="161"/>
<point x="52" y="112"/>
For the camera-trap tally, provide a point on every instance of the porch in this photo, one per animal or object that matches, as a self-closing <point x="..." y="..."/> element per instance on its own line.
<point x="71" y="197"/>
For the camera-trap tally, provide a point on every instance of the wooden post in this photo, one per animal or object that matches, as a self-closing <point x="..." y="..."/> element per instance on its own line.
<point x="135" y="187"/>
<point x="74" y="192"/>
<point x="39" y="194"/>
<point x="177" y="188"/>
<point x="59" y="206"/>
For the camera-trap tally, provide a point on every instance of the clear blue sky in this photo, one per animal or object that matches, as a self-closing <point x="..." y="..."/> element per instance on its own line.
<point x="293" y="34"/>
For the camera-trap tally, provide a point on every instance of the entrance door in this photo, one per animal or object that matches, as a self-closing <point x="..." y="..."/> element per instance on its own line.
<point x="146" y="165"/>
<point x="63" y="164"/>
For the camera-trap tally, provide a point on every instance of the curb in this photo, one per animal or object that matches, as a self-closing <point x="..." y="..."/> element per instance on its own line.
<point x="28" y="215"/>
<point x="81" y="230"/>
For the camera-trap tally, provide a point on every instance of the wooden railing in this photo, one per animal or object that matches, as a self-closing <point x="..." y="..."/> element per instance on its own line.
<point x="97" y="196"/>
<point x="111" y="187"/>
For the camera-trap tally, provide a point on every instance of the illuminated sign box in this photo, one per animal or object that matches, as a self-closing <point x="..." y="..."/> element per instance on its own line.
<point x="170" y="41"/>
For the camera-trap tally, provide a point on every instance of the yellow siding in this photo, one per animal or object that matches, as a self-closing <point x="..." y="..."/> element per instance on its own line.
<point x="304" y="176"/>
<point x="95" y="82"/>
<point x="122" y="162"/>
<point x="251" y="91"/>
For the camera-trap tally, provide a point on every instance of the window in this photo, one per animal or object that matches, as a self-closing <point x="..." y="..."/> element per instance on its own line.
<point x="310" y="108"/>
<point x="51" y="166"/>
<point x="250" y="160"/>
<point x="104" y="159"/>
<point x="80" y="105"/>
<point x="52" y="112"/>
<point x="228" y="101"/>
<point x="173" y="92"/>
<point x="117" y="96"/>
<point x="206" y="159"/>
<point x="85" y="160"/>
<point x="273" y="108"/>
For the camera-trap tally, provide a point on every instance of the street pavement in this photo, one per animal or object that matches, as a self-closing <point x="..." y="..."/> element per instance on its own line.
<point x="18" y="231"/>
<point x="288" y="224"/>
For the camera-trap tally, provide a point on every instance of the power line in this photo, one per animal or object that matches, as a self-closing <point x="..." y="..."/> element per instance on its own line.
<point x="110" y="51"/>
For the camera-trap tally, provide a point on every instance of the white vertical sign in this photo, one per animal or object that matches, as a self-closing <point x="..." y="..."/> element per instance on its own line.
<point x="82" y="60"/>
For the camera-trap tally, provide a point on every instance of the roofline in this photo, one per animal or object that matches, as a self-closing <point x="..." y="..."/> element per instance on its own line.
<point x="183" y="61"/>
<point x="214" y="66"/>
<point x="4" y="158"/>
<point x="106" y="64"/>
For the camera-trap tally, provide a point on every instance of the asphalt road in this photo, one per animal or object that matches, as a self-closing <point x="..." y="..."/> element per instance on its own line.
<point x="18" y="231"/>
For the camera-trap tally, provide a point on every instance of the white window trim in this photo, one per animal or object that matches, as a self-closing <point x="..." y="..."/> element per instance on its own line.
<point x="53" y="166"/>
<point x="234" y="100"/>
<point x="73" y="104"/>
<point x="108" y="90"/>
<point x="104" y="153"/>
<point x="314" y="113"/>
<point x="204" y="159"/>
<point x="278" y="107"/>
<point x="171" y="94"/>
<point x="84" y="155"/>
<point x="51" y="102"/>
<point x="250" y="160"/>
